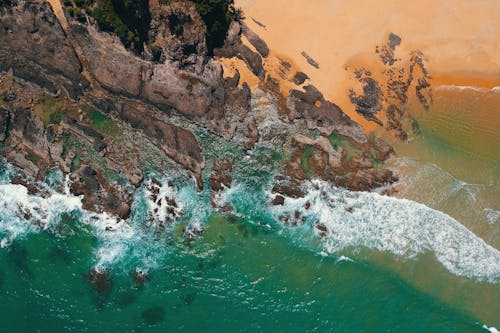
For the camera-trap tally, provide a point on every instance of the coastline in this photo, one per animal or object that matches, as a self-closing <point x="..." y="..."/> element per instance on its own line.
<point x="462" y="54"/>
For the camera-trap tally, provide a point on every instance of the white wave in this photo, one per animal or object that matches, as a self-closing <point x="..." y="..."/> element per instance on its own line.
<point x="161" y="203"/>
<point x="344" y="258"/>
<point x="462" y="88"/>
<point x="491" y="329"/>
<point x="397" y="226"/>
<point x="492" y="215"/>
<point x="22" y="213"/>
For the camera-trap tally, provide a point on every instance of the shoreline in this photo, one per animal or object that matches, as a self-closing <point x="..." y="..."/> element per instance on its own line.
<point x="463" y="53"/>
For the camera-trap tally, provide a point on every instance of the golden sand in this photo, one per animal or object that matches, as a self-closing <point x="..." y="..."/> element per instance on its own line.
<point x="460" y="38"/>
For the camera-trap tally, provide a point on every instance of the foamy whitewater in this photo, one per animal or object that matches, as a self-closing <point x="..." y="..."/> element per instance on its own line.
<point x="456" y="87"/>
<point x="397" y="226"/>
<point x="352" y="219"/>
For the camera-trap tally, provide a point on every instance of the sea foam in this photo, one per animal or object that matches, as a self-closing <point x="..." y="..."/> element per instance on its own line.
<point x="491" y="329"/>
<point x="398" y="226"/>
<point x="22" y="213"/>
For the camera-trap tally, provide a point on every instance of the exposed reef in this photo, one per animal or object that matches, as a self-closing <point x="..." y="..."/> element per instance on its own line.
<point x="385" y="94"/>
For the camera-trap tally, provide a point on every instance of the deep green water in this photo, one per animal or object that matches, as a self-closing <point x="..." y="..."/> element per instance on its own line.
<point x="237" y="278"/>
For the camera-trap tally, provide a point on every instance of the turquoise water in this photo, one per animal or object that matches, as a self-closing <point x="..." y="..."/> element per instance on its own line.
<point x="239" y="277"/>
<point x="247" y="273"/>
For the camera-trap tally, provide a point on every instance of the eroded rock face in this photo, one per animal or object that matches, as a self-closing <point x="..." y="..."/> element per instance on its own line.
<point x="145" y="97"/>
<point x="4" y="123"/>
<point x="33" y="45"/>
<point x="195" y="93"/>
<point x="178" y="30"/>
<point x="322" y="114"/>
<point x="177" y="143"/>
<point x="98" y="194"/>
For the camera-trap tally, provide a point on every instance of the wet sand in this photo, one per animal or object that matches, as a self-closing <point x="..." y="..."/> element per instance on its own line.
<point x="460" y="38"/>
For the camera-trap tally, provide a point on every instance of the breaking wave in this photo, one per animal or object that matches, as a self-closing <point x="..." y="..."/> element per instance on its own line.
<point x="462" y="88"/>
<point x="397" y="226"/>
<point x="348" y="219"/>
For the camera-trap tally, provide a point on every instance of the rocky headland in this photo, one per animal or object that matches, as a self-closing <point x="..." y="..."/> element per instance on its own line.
<point x="108" y="110"/>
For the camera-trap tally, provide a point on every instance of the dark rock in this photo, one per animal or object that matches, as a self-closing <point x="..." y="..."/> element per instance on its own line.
<point x="253" y="135"/>
<point x="4" y="123"/>
<point x="153" y="315"/>
<point x="30" y="185"/>
<point x="256" y="41"/>
<point x="300" y="78"/>
<point x="140" y="276"/>
<point x="369" y="103"/>
<point x="99" y="195"/>
<point x="289" y="191"/>
<point x="260" y="24"/>
<point x="387" y="50"/>
<point x="100" y="280"/>
<point x="252" y="59"/>
<point x="323" y="115"/>
<point x="221" y="177"/>
<point x="368" y="179"/>
<point x="279" y="200"/>
<point x="310" y="60"/>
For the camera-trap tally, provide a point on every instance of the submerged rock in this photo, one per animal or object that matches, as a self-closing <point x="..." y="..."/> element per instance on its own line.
<point x="100" y="279"/>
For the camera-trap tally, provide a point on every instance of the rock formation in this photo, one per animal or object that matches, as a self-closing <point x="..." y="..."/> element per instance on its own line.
<point x="74" y="97"/>
<point x="387" y="93"/>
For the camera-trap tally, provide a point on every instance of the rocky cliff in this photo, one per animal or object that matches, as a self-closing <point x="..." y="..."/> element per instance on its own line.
<point x="74" y="97"/>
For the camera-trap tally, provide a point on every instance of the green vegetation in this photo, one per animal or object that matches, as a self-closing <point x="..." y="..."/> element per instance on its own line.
<point x="50" y="112"/>
<point x="217" y="15"/>
<point x="340" y="141"/>
<point x="32" y="157"/>
<point x="155" y="51"/>
<point x="103" y="124"/>
<point x="130" y="19"/>
<point x="304" y="160"/>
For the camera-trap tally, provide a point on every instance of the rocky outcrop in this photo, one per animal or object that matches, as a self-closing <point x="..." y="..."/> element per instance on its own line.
<point x="179" y="33"/>
<point x="33" y="45"/>
<point x="369" y="103"/>
<point x="257" y="42"/>
<point x="322" y="114"/>
<point x="162" y="84"/>
<point x="178" y="143"/>
<point x="300" y="78"/>
<point x="74" y="97"/>
<point x="4" y="123"/>
<point x="386" y="51"/>
<point x="387" y="95"/>
<point x="221" y="176"/>
<point x="310" y="60"/>
<point x="98" y="194"/>
<point x="234" y="47"/>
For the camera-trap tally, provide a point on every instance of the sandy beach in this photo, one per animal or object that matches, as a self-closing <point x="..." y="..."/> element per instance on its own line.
<point x="458" y="37"/>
